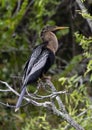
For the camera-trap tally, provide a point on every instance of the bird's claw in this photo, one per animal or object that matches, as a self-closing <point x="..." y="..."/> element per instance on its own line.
<point x="46" y="77"/>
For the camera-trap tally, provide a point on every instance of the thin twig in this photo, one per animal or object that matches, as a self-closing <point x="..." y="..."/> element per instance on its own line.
<point x="7" y="105"/>
<point x="39" y="97"/>
<point x="6" y="90"/>
<point x="48" y="104"/>
<point x="18" y="7"/>
<point x="12" y="90"/>
<point x="85" y="111"/>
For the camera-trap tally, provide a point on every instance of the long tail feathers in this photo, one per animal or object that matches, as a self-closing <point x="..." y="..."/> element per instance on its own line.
<point x="20" y="99"/>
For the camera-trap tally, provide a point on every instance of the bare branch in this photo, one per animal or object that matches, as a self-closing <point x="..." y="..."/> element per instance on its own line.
<point x="82" y="7"/>
<point x="50" y="105"/>
<point x="67" y="118"/>
<point x="12" y="90"/>
<point x="62" y="112"/>
<point x="45" y="104"/>
<point x="61" y="106"/>
<point x="7" y="105"/>
<point x="6" y="90"/>
<point x="39" y="97"/>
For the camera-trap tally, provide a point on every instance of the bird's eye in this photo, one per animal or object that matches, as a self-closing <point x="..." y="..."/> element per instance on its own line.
<point x="47" y="27"/>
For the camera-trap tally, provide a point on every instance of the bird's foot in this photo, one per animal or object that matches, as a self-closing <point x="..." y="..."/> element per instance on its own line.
<point x="46" y="77"/>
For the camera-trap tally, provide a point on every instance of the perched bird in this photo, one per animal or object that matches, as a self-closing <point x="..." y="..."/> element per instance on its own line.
<point x="41" y="59"/>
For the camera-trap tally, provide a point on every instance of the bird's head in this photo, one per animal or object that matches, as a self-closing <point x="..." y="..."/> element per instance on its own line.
<point x="49" y="28"/>
<point x="47" y="35"/>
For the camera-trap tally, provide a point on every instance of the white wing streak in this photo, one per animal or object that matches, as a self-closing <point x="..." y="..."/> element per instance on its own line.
<point x="34" y="56"/>
<point x="41" y="62"/>
<point x="38" y="65"/>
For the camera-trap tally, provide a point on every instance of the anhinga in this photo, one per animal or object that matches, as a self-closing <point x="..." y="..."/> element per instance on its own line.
<point x="41" y="59"/>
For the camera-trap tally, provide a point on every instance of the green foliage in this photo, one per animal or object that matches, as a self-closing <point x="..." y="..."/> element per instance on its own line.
<point x="77" y="100"/>
<point x="89" y="67"/>
<point x="73" y="64"/>
<point x="79" y="105"/>
<point x="8" y="22"/>
<point x="42" y="13"/>
<point x="37" y="123"/>
<point x="26" y="24"/>
<point x="84" y="14"/>
<point x="86" y="44"/>
<point x="84" y="41"/>
<point x="82" y="0"/>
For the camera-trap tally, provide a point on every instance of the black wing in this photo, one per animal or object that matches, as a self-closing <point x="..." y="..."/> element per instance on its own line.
<point x="35" y="70"/>
<point x="29" y="64"/>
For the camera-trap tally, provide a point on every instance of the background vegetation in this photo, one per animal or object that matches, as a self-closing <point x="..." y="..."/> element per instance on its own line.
<point x="20" y="26"/>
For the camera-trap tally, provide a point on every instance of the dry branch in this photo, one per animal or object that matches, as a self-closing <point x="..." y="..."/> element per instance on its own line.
<point x="49" y="104"/>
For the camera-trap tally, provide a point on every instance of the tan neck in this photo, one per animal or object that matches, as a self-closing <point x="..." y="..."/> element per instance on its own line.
<point x="52" y="41"/>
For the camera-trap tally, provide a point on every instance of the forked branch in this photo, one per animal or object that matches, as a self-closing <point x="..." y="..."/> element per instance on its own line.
<point x="49" y="103"/>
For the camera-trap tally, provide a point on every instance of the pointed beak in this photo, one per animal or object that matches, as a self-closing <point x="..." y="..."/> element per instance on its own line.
<point x="62" y="28"/>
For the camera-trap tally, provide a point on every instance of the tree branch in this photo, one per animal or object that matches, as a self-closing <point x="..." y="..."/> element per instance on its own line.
<point x="49" y="103"/>
<point x="62" y="112"/>
<point x="82" y="7"/>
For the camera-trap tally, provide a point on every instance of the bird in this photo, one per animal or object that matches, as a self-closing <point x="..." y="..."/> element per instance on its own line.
<point x="41" y="59"/>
